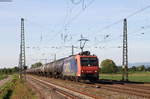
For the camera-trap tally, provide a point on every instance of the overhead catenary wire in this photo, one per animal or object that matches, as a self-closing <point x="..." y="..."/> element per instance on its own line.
<point x="76" y="2"/>
<point x="119" y="37"/>
<point x="120" y="20"/>
<point x="72" y="19"/>
<point x="79" y="2"/>
<point x="79" y="13"/>
<point x="43" y="27"/>
<point x="65" y="19"/>
<point x="108" y="26"/>
<point x="64" y="26"/>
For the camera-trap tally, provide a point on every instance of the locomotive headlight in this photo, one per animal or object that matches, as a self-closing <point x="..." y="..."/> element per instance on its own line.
<point x="95" y="71"/>
<point x="82" y="71"/>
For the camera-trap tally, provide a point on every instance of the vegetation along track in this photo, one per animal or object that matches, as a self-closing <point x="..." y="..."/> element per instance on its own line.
<point x="136" y="90"/>
<point x="67" y="92"/>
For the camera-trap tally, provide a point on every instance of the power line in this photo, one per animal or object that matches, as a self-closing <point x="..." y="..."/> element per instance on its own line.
<point x="132" y="33"/>
<point x="70" y="21"/>
<point x="76" y="2"/>
<point x="131" y="15"/>
<point x="138" y="11"/>
<point x="141" y="29"/>
<point x="79" y="13"/>
<point x="108" y="26"/>
<point x="68" y="13"/>
<point x="120" y="20"/>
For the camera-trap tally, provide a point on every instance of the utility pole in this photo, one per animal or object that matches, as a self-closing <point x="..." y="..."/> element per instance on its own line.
<point x="125" y="52"/>
<point x="55" y="57"/>
<point x="22" y="60"/>
<point x="72" y="49"/>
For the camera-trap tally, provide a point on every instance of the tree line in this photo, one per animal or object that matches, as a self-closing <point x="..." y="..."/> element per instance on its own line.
<point x="9" y="70"/>
<point x="16" y="69"/>
<point x="109" y="66"/>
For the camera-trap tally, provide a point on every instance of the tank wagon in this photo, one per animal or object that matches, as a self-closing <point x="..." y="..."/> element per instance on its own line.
<point x="76" y="67"/>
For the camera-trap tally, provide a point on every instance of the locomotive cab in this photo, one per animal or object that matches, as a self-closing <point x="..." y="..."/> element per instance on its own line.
<point x="88" y="66"/>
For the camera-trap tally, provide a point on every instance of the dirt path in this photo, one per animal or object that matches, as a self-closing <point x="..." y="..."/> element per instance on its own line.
<point x="2" y="82"/>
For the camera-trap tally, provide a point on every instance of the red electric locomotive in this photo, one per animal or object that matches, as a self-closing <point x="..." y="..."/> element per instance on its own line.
<point x="76" y="67"/>
<point x="88" y="66"/>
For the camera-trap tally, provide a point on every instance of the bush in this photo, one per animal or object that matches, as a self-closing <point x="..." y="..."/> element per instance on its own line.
<point x="108" y="66"/>
<point x="38" y="64"/>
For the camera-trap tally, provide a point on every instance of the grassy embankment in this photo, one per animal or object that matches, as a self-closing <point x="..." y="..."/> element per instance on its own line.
<point x="2" y="76"/>
<point x="133" y="76"/>
<point x="16" y="89"/>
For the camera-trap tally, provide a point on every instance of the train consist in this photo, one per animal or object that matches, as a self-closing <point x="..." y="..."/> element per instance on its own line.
<point x="82" y="66"/>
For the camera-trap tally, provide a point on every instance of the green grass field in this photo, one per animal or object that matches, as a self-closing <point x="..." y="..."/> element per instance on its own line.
<point x="137" y="76"/>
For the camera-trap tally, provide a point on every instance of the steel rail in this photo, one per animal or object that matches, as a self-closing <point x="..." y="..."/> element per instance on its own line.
<point x="60" y="92"/>
<point x="73" y="94"/>
<point x="127" y="90"/>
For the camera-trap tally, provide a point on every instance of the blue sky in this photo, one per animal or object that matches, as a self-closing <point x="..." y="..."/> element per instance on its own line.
<point x="48" y="22"/>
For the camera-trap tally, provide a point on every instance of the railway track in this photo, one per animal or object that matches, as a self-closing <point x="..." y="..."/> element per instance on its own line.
<point x="138" y="86"/>
<point x="63" y="91"/>
<point x="127" y="89"/>
<point x="139" y="90"/>
<point x="130" y="89"/>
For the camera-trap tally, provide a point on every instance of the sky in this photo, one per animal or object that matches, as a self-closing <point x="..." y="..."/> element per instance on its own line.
<point x="53" y="26"/>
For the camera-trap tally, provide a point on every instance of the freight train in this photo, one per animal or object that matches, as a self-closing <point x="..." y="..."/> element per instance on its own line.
<point x="82" y="66"/>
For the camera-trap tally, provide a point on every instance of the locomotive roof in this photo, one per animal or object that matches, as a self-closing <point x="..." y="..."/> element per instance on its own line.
<point x="85" y="53"/>
<point x="59" y="59"/>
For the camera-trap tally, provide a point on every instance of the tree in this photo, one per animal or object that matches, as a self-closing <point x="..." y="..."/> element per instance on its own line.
<point x="133" y="68"/>
<point x="148" y="69"/>
<point x="119" y="69"/>
<point x="141" y="68"/>
<point x="15" y="69"/>
<point x="38" y="64"/>
<point x="108" y="66"/>
<point x="9" y="70"/>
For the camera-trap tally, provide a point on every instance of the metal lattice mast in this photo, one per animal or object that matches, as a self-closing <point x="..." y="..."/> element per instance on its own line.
<point x="125" y="52"/>
<point x="22" y="59"/>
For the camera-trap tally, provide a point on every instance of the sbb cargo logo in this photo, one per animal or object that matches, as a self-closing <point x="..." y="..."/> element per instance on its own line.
<point x="67" y="67"/>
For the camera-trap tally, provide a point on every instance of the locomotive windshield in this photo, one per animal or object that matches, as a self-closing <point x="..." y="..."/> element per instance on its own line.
<point x="89" y="61"/>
